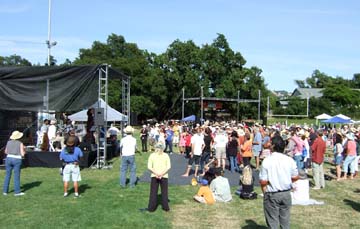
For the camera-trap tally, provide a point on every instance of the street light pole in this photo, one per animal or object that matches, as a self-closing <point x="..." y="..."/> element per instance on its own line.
<point x="48" y="42"/>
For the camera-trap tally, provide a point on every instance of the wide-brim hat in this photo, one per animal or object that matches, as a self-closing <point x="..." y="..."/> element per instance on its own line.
<point x="159" y="145"/>
<point x="301" y="132"/>
<point x="70" y="141"/>
<point x="129" y="130"/>
<point x="302" y="174"/>
<point x="350" y="136"/>
<point x="53" y="122"/>
<point x="16" y="135"/>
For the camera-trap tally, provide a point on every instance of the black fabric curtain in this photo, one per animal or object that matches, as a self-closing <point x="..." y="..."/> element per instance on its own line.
<point x="71" y="88"/>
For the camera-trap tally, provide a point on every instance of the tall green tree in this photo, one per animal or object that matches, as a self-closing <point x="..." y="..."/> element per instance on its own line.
<point x="14" y="60"/>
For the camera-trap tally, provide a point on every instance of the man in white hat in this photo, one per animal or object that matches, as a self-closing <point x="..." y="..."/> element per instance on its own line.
<point x="144" y="137"/>
<point x="128" y="148"/>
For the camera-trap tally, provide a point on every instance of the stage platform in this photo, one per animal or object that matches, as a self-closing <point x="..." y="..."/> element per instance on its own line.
<point x="52" y="159"/>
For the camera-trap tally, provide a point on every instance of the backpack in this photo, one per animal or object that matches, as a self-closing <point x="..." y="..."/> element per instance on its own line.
<point x="247" y="178"/>
<point x="304" y="152"/>
<point x="248" y="195"/>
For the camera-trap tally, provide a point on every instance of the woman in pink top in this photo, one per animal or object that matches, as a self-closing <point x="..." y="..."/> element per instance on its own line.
<point x="350" y="156"/>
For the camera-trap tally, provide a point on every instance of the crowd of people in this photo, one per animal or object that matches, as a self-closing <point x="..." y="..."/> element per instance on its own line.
<point x="283" y="155"/>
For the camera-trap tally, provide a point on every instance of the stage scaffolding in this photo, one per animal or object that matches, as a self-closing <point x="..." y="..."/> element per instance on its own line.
<point x="202" y="99"/>
<point x="101" y="162"/>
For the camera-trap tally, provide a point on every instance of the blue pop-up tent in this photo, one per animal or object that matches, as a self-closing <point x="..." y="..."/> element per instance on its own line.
<point x="190" y="118"/>
<point x="337" y="119"/>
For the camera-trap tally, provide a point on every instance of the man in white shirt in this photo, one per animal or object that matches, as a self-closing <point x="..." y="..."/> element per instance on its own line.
<point x="52" y="130"/>
<point x="128" y="148"/>
<point x="277" y="173"/>
<point x="220" y="142"/>
<point x="197" y="146"/>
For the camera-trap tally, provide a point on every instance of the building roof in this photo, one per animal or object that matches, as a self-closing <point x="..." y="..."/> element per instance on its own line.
<point x="304" y="93"/>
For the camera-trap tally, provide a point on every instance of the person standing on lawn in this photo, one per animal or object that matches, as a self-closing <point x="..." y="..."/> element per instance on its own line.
<point x="128" y="148"/>
<point x="71" y="155"/>
<point x="159" y="166"/>
<point x="318" y="149"/>
<point x="277" y="173"/>
<point x="14" y="151"/>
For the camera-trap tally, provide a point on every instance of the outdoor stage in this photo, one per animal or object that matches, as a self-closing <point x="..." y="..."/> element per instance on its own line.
<point x="52" y="159"/>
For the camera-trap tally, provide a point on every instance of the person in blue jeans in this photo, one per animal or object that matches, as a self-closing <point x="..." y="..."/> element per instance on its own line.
<point x="14" y="150"/>
<point x="169" y="139"/>
<point x="233" y="149"/>
<point x="128" y="148"/>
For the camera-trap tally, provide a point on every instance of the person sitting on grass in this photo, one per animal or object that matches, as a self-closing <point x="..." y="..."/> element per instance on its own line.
<point x="300" y="194"/>
<point x="204" y="195"/>
<point x="71" y="155"/>
<point x="220" y="187"/>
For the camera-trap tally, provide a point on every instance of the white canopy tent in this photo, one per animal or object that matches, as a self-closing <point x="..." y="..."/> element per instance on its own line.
<point x="112" y="114"/>
<point x="323" y="116"/>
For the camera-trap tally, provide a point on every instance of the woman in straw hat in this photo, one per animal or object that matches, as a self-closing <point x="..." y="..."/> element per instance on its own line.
<point x="71" y="155"/>
<point x="14" y="150"/>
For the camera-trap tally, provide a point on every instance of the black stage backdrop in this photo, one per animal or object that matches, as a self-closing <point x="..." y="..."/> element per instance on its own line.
<point x="71" y="88"/>
<point x="52" y="160"/>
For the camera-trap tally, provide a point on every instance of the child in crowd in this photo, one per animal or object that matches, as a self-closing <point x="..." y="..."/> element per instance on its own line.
<point x="204" y="194"/>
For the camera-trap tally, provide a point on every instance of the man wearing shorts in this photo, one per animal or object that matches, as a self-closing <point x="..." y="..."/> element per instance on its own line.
<point x="71" y="155"/>
<point x="197" y="146"/>
<point x="220" y="142"/>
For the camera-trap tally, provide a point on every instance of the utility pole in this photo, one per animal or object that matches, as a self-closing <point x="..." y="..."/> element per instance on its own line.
<point x="48" y="42"/>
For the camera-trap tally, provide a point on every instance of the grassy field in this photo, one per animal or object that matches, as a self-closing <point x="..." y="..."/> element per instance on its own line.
<point x="103" y="204"/>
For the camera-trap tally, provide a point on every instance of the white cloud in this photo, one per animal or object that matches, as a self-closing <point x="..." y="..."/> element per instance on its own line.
<point x="13" y="9"/>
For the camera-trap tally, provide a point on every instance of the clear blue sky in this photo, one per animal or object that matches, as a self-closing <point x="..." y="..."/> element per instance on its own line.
<point x="286" y="39"/>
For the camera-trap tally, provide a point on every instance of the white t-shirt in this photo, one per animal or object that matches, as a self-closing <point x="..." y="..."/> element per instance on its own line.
<point x="197" y="141"/>
<point x="128" y="145"/>
<point x="278" y="169"/>
<point x="52" y="132"/>
<point x="220" y="140"/>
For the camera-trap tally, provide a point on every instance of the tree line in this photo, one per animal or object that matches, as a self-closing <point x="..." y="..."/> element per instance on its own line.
<point x="157" y="80"/>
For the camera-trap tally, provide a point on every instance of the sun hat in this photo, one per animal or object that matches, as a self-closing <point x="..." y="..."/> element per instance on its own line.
<point x="159" y="145"/>
<point x="350" y="136"/>
<point x="301" y="132"/>
<point x="16" y="135"/>
<point x="53" y="122"/>
<point x="129" y="130"/>
<point x="302" y="174"/>
<point x="70" y="141"/>
<point x="193" y="181"/>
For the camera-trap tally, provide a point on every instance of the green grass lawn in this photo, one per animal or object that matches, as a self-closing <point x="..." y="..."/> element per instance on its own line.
<point x="103" y="204"/>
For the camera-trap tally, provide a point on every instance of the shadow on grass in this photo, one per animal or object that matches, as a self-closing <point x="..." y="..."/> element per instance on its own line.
<point x="357" y="190"/>
<point x="353" y="204"/>
<point x="252" y="224"/>
<point x="82" y="188"/>
<point x="31" y="185"/>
